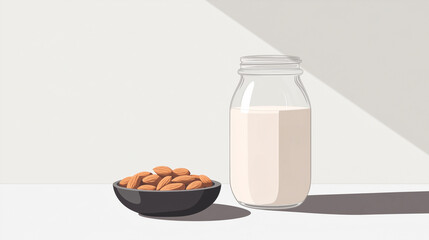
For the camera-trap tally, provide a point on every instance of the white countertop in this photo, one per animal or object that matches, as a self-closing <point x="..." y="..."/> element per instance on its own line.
<point x="92" y="211"/>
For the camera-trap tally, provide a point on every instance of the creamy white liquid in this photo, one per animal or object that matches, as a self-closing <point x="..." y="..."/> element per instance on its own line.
<point x="270" y="155"/>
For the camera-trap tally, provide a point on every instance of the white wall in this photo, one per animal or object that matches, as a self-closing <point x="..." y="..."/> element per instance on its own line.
<point x="94" y="90"/>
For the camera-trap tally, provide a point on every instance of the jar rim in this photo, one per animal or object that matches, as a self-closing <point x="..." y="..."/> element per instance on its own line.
<point x="270" y="59"/>
<point x="270" y="65"/>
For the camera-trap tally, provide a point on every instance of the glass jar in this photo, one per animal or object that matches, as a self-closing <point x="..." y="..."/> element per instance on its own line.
<point x="270" y="134"/>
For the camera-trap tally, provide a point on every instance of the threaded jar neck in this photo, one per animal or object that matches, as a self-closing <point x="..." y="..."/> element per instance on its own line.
<point x="270" y="65"/>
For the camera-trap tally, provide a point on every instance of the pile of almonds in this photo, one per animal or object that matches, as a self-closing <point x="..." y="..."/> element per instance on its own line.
<point x="166" y="179"/>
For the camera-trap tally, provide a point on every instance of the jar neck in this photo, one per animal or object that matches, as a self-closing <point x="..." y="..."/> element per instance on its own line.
<point x="270" y="90"/>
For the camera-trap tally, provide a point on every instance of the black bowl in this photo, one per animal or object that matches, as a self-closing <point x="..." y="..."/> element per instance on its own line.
<point x="167" y="203"/>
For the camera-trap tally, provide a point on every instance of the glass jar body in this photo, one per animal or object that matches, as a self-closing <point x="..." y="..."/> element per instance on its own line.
<point x="270" y="141"/>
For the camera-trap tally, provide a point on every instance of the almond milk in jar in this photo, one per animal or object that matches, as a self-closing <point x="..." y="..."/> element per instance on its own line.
<point x="270" y="134"/>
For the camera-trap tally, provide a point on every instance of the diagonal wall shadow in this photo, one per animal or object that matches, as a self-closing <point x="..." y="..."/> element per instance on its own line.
<point x="366" y="203"/>
<point x="372" y="52"/>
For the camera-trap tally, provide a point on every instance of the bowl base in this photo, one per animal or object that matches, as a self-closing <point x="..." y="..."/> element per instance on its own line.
<point x="165" y="215"/>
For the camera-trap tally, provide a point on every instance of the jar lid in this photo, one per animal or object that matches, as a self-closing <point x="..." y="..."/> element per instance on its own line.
<point x="270" y="65"/>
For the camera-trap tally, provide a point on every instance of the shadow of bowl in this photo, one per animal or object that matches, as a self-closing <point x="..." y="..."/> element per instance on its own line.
<point x="215" y="212"/>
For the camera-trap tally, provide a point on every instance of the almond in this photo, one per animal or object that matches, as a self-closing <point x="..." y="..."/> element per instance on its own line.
<point x="186" y="179"/>
<point x="194" y="185"/>
<point x="144" y="174"/>
<point x="124" y="182"/>
<point x="166" y="180"/>
<point x="206" y="181"/>
<point x="163" y="171"/>
<point x="152" y="180"/>
<point x="146" y="187"/>
<point x="181" y="172"/>
<point x="135" y="181"/>
<point x="173" y="186"/>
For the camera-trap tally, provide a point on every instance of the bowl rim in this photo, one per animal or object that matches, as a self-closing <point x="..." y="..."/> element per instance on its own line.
<point x="216" y="184"/>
